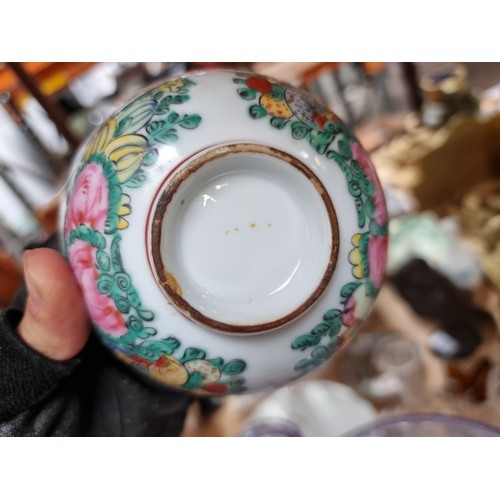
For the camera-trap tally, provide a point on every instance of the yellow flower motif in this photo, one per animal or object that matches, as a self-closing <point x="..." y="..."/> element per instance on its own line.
<point x="127" y="153"/>
<point x="173" y="86"/>
<point x="123" y="210"/>
<point x="355" y="257"/>
<point x="101" y="139"/>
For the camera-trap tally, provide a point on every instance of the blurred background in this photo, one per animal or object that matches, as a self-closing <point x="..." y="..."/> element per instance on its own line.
<point x="431" y="345"/>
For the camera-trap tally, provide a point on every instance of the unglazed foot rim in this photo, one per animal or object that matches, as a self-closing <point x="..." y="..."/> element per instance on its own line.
<point x="183" y="219"/>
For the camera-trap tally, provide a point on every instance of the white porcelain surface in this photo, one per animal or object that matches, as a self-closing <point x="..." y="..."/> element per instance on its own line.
<point x="274" y="266"/>
<point x="248" y="239"/>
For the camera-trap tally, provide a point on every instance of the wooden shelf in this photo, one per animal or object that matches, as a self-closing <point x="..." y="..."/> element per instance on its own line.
<point x="50" y="77"/>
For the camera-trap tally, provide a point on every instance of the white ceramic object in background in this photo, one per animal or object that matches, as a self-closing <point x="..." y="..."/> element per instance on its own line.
<point x="229" y="233"/>
<point x="318" y="408"/>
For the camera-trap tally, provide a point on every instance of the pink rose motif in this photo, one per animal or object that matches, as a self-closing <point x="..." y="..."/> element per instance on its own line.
<point x="89" y="202"/>
<point x="377" y="258"/>
<point x="348" y="314"/>
<point x="357" y="306"/>
<point x="102" y="309"/>
<point x="378" y="199"/>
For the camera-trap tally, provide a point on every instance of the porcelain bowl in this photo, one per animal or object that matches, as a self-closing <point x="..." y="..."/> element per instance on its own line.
<point x="229" y="233"/>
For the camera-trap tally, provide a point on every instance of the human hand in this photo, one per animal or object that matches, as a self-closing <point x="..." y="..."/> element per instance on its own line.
<point x="55" y="322"/>
<point x="55" y="380"/>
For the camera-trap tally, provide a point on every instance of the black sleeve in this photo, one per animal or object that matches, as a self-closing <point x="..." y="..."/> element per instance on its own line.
<point x="92" y="395"/>
<point x="26" y="377"/>
<point x="28" y="384"/>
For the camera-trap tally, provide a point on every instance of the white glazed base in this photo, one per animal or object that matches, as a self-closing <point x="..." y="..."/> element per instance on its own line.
<point x="248" y="239"/>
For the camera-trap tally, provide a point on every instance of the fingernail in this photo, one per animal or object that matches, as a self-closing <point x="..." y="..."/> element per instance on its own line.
<point x="35" y="302"/>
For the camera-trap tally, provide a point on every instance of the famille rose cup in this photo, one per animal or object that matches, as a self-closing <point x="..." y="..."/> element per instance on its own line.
<point x="229" y="233"/>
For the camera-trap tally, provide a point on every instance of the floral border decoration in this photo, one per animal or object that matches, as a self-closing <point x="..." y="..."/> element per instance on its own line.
<point x="285" y="106"/>
<point x="99" y="202"/>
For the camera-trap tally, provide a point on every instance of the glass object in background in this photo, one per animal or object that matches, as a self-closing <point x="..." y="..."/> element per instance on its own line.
<point x="314" y="408"/>
<point x="385" y="368"/>
<point x="400" y="367"/>
<point x="425" y="425"/>
<point x="276" y="427"/>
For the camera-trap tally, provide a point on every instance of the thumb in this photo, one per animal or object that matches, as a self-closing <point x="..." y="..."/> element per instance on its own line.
<point x="55" y="322"/>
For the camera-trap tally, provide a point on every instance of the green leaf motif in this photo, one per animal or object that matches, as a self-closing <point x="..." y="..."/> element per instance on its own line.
<point x="88" y="235"/>
<point x="376" y="230"/>
<point x="134" y="298"/>
<point x="145" y="315"/>
<point x="247" y="94"/>
<point x="370" y="209"/>
<point x="144" y="352"/>
<point x="300" y="130"/>
<point x="173" y="117"/>
<point x="278" y="123"/>
<point x="161" y="131"/>
<point x="134" y="324"/>
<point x="138" y="115"/>
<point x="332" y="315"/>
<point x="190" y="122"/>
<point x="321" y="330"/>
<point x="115" y="195"/>
<point x="116" y="257"/>
<point x="164" y="106"/>
<point x="217" y="362"/>
<point x="257" y="111"/>
<point x="335" y="329"/>
<point x="235" y="382"/>
<point x="195" y="381"/>
<point x="333" y="155"/>
<point x="164" y="347"/>
<point x="121" y="302"/>
<point x="234" y="367"/>
<point x="304" y="341"/>
<point x="320" y="353"/>
<point x="277" y="92"/>
<point x="105" y="284"/>
<point x="371" y="289"/>
<point x="149" y="331"/>
<point x="179" y="99"/>
<point x="321" y="141"/>
<point x="122" y="281"/>
<point x="103" y="261"/>
<point x="354" y="188"/>
<point x="355" y="169"/>
<point x="150" y="158"/>
<point x="344" y="149"/>
<point x="137" y="180"/>
<point x="192" y="353"/>
<point x="349" y="289"/>
<point x="367" y="186"/>
<point x="360" y="209"/>
<point x="303" y="364"/>
<point x="123" y="125"/>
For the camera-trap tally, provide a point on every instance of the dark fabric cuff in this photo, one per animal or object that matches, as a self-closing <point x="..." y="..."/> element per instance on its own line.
<point x="26" y="377"/>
